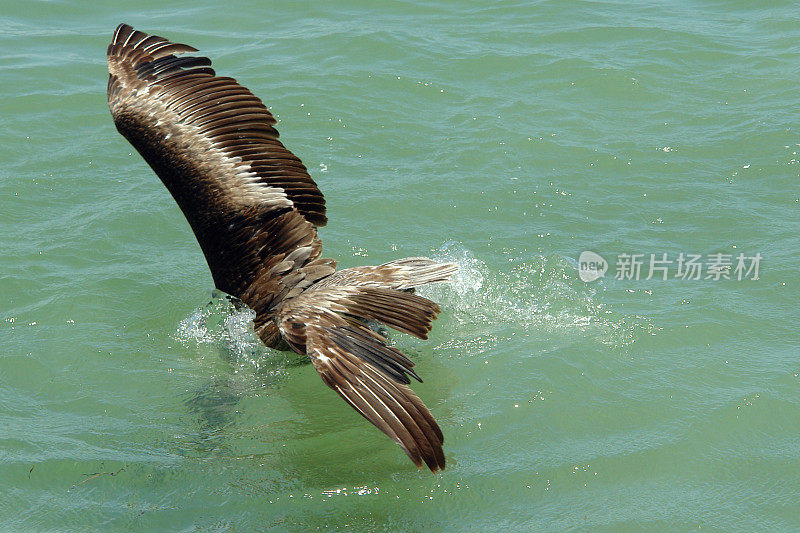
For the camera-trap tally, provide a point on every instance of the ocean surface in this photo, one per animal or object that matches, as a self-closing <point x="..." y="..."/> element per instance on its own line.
<point x="507" y="137"/>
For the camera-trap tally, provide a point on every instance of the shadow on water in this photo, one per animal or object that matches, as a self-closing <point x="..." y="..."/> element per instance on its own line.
<point x="224" y="327"/>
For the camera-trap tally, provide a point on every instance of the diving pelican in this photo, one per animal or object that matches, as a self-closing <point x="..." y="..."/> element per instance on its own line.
<point x="255" y="212"/>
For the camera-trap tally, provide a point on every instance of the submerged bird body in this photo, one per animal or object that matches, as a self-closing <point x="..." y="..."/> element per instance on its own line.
<point x="254" y="210"/>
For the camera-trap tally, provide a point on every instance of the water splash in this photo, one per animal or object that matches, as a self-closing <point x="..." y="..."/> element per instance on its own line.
<point x="529" y="296"/>
<point x="230" y="327"/>
<point x="538" y="296"/>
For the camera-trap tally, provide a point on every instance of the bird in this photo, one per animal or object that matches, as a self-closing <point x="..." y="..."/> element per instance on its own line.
<point x="255" y="212"/>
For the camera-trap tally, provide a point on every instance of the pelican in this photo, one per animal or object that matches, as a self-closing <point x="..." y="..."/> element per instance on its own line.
<point x="255" y="211"/>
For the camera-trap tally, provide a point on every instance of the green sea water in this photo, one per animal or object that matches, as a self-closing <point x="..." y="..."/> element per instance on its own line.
<point x="508" y="137"/>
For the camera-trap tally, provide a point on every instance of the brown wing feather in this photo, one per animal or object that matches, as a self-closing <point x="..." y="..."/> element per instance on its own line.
<point x="371" y="376"/>
<point x="188" y="100"/>
<point x="249" y="200"/>
<point x="254" y="208"/>
<point x="401" y="274"/>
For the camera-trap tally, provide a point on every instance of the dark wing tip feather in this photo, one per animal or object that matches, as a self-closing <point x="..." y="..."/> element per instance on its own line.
<point x="372" y="348"/>
<point x="125" y="35"/>
<point x="215" y="108"/>
<point x="369" y="375"/>
<point x="392" y="407"/>
<point x="403" y="311"/>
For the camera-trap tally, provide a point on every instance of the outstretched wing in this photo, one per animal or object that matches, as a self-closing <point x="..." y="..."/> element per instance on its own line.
<point x="254" y="210"/>
<point x="214" y="145"/>
<point x="327" y="324"/>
